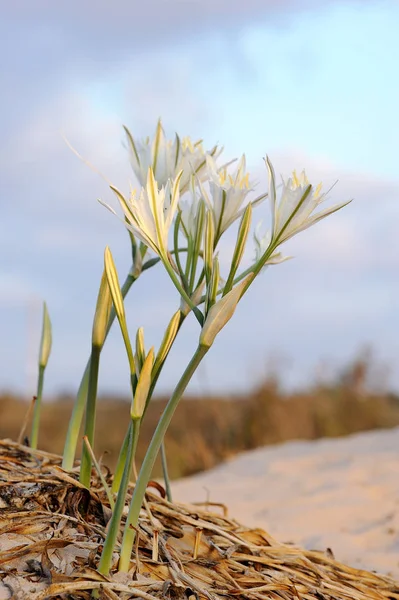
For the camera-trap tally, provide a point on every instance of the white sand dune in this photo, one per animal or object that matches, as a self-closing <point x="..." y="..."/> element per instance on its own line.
<point x="341" y="494"/>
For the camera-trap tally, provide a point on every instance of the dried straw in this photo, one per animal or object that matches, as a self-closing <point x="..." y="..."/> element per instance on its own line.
<point x="52" y="530"/>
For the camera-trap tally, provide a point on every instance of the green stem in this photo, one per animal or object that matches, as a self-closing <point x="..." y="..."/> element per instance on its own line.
<point x="161" y="366"/>
<point x="90" y="422"/>
<point x="256" y="269"/>
<point x="188" y="262"/>
<point x="150" y="457"/>
<point x="151" y="391"/>
<point x="36" y="411"/>
<point x="80" y="402"/>
<point x="120" y="466"/>
<point x="182" y="292"/>
<point x="105" y="563"/>
<point x="165" y="472"/>
<point x="176" y="251"/>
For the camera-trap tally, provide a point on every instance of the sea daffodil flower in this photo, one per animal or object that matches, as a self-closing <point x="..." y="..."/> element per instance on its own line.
<point x="167" y="158"/>
<point x="293" y="213"/>
<point x="262" y="243"/>
<point x="189" y="208"/>
<point x="228" y="193"/>
<point x="149" y="214"/>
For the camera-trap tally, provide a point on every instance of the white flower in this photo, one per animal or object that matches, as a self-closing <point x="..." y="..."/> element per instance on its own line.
<point x="294" y="212"/>
<point x="228" y="193"/>
<point x="193" y="161"/>
<point x="167" y="158"/>
<point x="150" y="213"/>
<point x="262" y="243"/>
<point x="189" y="208"/>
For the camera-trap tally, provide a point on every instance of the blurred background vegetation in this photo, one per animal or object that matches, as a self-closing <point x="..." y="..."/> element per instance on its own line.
<point x="208" y="430"/>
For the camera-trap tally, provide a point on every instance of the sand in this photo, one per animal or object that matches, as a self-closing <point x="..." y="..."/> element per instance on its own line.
<point x="341" y="494"/>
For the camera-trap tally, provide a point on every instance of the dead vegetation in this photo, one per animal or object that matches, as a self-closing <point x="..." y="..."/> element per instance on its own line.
<point x="213" y="429"/>
<point x="52" y="530"/>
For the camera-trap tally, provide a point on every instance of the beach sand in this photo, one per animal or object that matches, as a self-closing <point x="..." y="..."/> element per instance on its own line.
<point x="341" y="494"/>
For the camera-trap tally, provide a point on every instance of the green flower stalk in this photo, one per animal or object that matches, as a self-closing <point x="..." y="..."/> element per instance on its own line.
<point x="105" y="563"/>
<point x="136" y="413"/>
<point x="117" y="299"/>
<point x="241" y="242"/>
<point x="209" y="246"/>
<point x="167" y="342"/>
<point x="44" y="353"/>
<point x="80" y="402"/>
<point x="218" y="316"/>
<point x="150" y="457"/>
<point x="100" y="323"/>
<point x="213" y="286"/>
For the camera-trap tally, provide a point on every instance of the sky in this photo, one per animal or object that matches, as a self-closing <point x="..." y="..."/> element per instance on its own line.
<point x="312" y="84"/>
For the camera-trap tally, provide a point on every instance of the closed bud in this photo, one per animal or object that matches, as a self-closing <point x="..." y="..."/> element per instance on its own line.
<point x="113" y="283"/>
<point x="140" y="349"/>
<point x="221" y="313"/>
<point x="142" y="387"/>
<point x="167" y="341"/>
<point x="117" y="299"/>
<point x="46" y="340"/>
<point x="103" y="310"/>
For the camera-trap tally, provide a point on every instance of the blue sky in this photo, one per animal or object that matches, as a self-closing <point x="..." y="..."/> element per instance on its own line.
<point x="313" y="84"/>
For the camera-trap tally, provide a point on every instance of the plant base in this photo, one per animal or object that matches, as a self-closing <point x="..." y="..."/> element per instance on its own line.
<point x="52" y="530"/>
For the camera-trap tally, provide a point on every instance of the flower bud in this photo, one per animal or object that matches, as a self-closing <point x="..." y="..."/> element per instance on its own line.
<point x="221" y="312"/>
<point x="101" y="317"/>
<point x="46" y="340"/>
<point x="143" y="387"/>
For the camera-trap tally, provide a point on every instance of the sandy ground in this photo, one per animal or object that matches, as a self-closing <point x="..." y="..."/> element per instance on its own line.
<point x="341" y="494"/>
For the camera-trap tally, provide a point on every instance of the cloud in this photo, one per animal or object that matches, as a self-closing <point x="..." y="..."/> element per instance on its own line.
<point x="146" y="20"/>
<point x="83" y="68"/>
<point x="337" y="294"/>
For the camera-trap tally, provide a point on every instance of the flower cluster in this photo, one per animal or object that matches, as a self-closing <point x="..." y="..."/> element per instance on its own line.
<point x="186" y="201"/>
<point x="179" y="178"/>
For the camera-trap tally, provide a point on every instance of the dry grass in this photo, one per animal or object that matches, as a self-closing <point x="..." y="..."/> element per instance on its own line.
<point x="213" y="429"/>
<point x="52" y="530"/>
